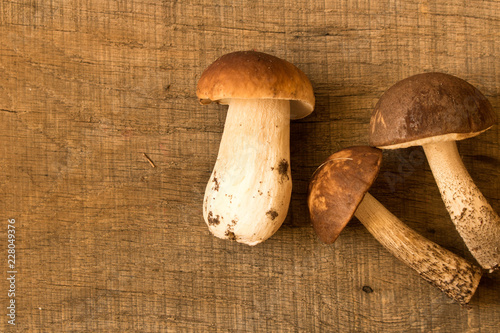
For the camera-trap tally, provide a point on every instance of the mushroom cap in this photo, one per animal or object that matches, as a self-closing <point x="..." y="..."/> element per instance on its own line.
<point x="338" y="186"/>
<point x="251" y="74"/>
<point x="429" y="107"/>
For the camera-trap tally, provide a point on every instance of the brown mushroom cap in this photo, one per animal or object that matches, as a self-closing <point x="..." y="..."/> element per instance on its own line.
<point x="250" y="74"/>
<point x="429" y="107"/>
<point x="338" y="187"/>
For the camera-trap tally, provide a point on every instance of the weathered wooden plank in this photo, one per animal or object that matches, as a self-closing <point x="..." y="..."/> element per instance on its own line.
<point x="107" y="242"/>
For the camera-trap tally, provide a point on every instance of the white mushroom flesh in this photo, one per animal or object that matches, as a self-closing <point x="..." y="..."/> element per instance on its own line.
<point x="248" y="194"/>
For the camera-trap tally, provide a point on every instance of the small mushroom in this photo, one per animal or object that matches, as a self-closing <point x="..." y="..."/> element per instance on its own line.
<point x="248" y="194"/>
<point x="338" y="190"/>
<point x="435" y="110"/>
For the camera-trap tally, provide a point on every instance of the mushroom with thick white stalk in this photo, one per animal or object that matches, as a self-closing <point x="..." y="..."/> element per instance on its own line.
<point x="249" y="191"/>
<point x="433" y="110"/>
<point x="338" y="190"/>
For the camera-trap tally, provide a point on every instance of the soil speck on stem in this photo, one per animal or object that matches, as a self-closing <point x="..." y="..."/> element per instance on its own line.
<point x="272" y="214"/>
<point x="213" y="220"/>
<point x="283" y="169"/>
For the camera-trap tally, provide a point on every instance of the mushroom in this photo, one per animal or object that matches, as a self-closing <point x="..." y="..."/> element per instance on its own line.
<point x="434" y="110"/>
<point x="249" y="191"/>
<point x="338" y="190"/>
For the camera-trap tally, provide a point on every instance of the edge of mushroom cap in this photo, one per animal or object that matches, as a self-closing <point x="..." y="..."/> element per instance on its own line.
<point x="427" y="105"/>
<point x="338" y="186"/>
<point x="251" y="74"/>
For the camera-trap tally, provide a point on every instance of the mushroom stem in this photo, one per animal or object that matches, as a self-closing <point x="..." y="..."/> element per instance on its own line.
<point x="453" y="275"/>
<point x="474" y="219"/>
<point x="247" y="196"/>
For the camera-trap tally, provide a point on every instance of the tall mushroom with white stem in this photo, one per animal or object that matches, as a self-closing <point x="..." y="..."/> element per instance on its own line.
<point x="433" y="110"/>
<point x="249" y="191"/>
<point x="338" y="190"/>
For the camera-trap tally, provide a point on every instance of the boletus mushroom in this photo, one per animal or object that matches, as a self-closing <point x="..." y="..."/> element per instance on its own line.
<point x="249" y="191"/>
<point x="338" y="191"/>
<point x="434" y="110"/>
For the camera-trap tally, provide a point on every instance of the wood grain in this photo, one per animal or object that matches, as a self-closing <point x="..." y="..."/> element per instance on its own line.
<point x="107" y="243"/>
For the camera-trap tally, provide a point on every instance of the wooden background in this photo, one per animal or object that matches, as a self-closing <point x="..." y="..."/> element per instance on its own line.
<point x="107" y="243"/>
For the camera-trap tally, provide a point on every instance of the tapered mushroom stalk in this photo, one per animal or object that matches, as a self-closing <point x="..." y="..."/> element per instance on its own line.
<point x="434" y="110"/>
<point x="249" y="191"/>
<point x="473" y="216"/>
<point x="338" y="190"/>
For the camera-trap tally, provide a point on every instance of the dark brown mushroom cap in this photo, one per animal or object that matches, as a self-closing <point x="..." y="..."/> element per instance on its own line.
<point x="251" y="74"/>
<point x="338" y="186"/>
<point x="426" y="106"/>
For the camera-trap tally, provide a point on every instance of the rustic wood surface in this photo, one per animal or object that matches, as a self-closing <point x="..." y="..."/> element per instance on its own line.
<point x="107" y="241"/>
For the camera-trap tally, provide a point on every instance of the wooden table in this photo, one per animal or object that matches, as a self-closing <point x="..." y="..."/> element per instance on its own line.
<point x="106" y="153"/>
